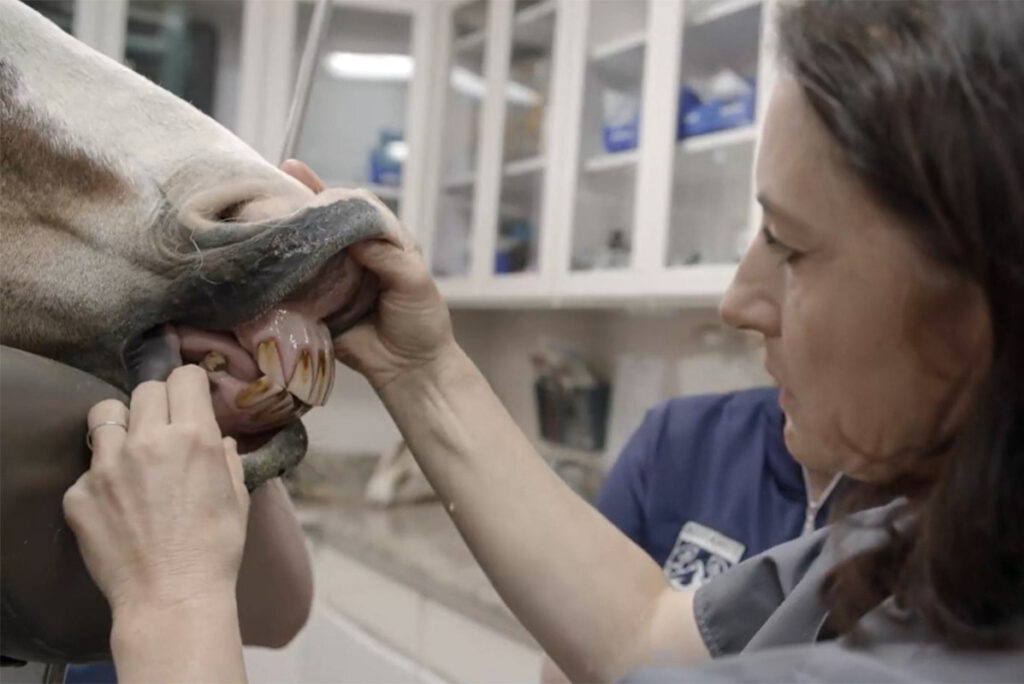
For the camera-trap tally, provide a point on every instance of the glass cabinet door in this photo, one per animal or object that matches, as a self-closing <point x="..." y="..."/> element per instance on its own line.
<point x="353" y="133"/>
<point x="464" y="94"/>
<point x="602" y="228"/>
<point x="710" y="218"/>
<point x="191" y="48"/>
<point x="526" y="122"/>
<point x="60" y="12"/>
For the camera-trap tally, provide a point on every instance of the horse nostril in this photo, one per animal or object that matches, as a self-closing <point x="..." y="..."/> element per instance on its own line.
<point x="230" y="213"/>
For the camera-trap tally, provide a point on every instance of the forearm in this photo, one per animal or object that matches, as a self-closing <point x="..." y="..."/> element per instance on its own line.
<point x="275" y="582"/>
<point x="594" y="600"/>
<point x="196" y="641"/>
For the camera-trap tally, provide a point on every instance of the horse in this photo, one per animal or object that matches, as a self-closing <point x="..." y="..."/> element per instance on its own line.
<point x="127" y="216"/>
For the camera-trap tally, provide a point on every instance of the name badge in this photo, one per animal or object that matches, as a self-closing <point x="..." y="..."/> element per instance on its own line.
<point x="712" y="541"/>
<point x="699" y="554"/>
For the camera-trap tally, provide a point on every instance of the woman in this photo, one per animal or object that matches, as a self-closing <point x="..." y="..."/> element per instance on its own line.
<point x="887" y="284"/>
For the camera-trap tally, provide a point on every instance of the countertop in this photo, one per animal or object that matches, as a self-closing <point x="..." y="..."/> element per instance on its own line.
<point x="414" y="544"/>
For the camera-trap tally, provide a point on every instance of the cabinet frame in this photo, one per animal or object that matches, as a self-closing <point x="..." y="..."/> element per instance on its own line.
<point x="647" y="281"/>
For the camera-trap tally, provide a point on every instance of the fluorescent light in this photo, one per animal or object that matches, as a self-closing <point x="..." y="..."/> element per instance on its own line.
<point x="472" y="85"/>
<point x="357" y="66"/>
<point x="361" y="66"/>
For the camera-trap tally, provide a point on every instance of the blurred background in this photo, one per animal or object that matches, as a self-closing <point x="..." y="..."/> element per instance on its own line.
<point x="578" y="173"/>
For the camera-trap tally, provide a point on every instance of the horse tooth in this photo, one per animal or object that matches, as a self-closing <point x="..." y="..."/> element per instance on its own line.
<point x="325" y="370"/>
<point x="323" y="350"/>
<point x="268" y="358"/>
<point x="316" y="357"/>
<point x="331" y="367"/>
<point x="319" y="378"/>
<point x="256" y="392"/>
<point x="328" y="376"/>
<point x="300" y="409"/>
<point x="281" y="406"/>
<point x="301" y="384"/>
<point x="214" y="361"/>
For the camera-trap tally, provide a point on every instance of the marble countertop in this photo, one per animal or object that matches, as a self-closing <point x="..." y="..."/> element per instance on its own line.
<point x="415" y="544"/>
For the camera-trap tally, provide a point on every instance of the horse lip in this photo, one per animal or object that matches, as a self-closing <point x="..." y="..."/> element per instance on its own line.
<point x="230" y="285"/>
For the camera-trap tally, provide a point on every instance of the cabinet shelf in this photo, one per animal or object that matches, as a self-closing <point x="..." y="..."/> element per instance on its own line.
<point x="470" y="41"/>
<point x="608" y="162"/>
<point x="522" y="167"/>
<point x="460" y="181"/>
<point x="699" y="285"/>
<point x="711" y="141"/>
<point x="621" y="61"/>
<point x="615" y="48"/>
<point x="534" y="27"/>
<point x="534" y="13"/>
<point x="706" y="11"/>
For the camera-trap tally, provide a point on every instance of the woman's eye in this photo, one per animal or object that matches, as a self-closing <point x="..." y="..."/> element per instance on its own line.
<point x="790" y="255"/>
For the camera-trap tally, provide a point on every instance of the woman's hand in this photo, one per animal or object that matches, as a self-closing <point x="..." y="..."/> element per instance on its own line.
<point x="160" y="516"/>
<point x="411" y="328"/>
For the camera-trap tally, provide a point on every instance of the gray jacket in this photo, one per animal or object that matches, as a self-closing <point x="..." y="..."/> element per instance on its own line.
<point x="761" y="622"/>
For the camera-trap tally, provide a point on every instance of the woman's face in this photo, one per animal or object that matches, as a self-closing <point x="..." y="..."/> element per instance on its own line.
<point x="877" y="349"/>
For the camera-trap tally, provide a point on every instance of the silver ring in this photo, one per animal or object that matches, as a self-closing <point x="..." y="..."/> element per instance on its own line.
<point x="88" y="435"/>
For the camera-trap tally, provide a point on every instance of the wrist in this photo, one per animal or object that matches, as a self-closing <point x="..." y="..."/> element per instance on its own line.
<point x="450" y="367"/>
<point x="148" y="619"/>
<point x="197" y="639"/>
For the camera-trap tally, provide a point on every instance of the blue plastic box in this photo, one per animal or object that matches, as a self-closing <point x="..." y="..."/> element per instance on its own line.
<point x="384" y="169"/>
<point x="697" y="118"/>
<point x="622" y="137"/>
<point x="620" y="118"/>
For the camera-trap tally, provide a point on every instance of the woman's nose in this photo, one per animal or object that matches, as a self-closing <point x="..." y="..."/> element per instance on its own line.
<point x="751" y="302"/>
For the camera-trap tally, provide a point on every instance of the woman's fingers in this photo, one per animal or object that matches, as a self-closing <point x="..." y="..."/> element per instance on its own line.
<point x="108" y="428"/>
<point x="148" y="407"/>
<point x="188" y="398"/>
<point x="234" y="462"/>
<point x="396" y="267"/>
<point x="303" y="174"/>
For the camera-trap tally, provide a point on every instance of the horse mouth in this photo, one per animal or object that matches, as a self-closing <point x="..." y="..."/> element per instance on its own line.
<point x="272" y="369"/>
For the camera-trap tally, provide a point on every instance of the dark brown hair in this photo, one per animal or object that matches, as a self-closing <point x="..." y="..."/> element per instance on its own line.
<point x="926" y="102"/>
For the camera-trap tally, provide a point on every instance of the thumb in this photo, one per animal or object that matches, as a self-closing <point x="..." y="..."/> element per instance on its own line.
<point x="234" y="462"/>
<point x="355" y="344"/>
<point x="302" y="173"/>
<point x="398" y="268"/>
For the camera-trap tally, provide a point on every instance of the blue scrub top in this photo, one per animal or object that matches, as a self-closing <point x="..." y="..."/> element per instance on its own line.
<point x="706" y="481"/>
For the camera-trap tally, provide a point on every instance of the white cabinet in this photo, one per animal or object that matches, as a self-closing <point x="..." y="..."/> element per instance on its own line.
<point x="365" y="121"/>
<point x="554" y="152"/>
<point x="493" y="177"/>
<point x="364" y="97"/>
<point x="608" y="157"/>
